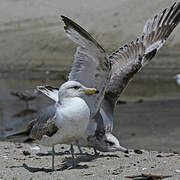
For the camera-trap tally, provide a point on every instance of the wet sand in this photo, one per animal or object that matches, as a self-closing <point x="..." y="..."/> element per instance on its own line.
<point x="150" y="125"/>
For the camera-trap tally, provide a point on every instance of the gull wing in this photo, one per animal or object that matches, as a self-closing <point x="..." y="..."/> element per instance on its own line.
<point x="91" y="67"/>
<point x="130" y="58"/>
<point x="44" y="124"/>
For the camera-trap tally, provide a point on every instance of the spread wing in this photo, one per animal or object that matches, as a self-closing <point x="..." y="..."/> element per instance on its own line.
<point x="130" y="58"/>
<point x="91" y="67"/>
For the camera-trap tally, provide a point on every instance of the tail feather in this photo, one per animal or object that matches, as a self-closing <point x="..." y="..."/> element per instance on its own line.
<point x="19" y="137"/>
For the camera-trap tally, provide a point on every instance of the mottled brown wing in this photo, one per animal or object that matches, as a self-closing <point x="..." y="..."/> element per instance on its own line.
<point x="130" y="58"/>
<point x="40" y="129"/>
<point x="45" y="124"/>
<point x="91" y="67"/>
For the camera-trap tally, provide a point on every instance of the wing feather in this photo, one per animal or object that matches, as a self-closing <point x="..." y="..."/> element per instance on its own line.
<point x="49" y="91"/>
<point x="129" y="59"/>
<point x="91" y="67"/>
<point x="44" y="124"/>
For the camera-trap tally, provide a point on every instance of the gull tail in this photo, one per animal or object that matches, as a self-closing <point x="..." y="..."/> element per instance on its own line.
<point x="131" y="58"/>
<point x="23" y="136"/>
<point x="20" y="137"/>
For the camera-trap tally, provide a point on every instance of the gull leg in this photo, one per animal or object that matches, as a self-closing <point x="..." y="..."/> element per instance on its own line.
<point x="79" y="147"/>
<point x="72" y="153"/>
<point x="95" y="152"/>
<point x="53" y="154"/>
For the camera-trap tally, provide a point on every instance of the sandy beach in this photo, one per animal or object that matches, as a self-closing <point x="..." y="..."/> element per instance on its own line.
<point x="35" y="51"/>
<point x="20" y="162"/>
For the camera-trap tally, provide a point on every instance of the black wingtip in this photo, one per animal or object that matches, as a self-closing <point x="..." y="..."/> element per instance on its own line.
<point x="63" y="17"/>
<point x="51" y="88"/>
<point x="66" y="20"/>
<point x="71" y="24"/>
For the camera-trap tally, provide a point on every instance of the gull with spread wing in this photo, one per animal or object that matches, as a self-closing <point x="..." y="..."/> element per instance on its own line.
<point x="126" y="62"/>
<point x="91" y="68"/>
<point x="75" y="104"/>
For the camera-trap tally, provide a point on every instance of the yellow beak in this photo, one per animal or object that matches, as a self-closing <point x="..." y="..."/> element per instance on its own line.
<point x="91" y="91"/>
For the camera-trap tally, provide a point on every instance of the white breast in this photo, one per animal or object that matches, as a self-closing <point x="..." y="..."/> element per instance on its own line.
<point x="72" y="119"/>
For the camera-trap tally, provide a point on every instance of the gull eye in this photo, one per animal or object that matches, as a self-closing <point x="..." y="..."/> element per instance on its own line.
<point x="76" y="87"/>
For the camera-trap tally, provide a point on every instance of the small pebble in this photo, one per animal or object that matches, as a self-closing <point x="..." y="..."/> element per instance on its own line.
<point x="26" y="153"/>
<point x="175" y="152"/>
<point x="35" y="148"/>
<point x="126" y="151"/>
<point x="159" y="155"/>
<point x="137" y="151"/>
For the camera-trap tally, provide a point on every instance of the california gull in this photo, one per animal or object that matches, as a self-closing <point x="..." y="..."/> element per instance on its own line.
<point x="126" y="62"/>
<point x="103" y="141"/>
<point x="72" y="112"/>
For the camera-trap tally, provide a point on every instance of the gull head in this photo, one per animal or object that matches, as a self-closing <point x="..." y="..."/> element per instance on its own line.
<point x="75" y="89"/>
<point x="107" y="142"/>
